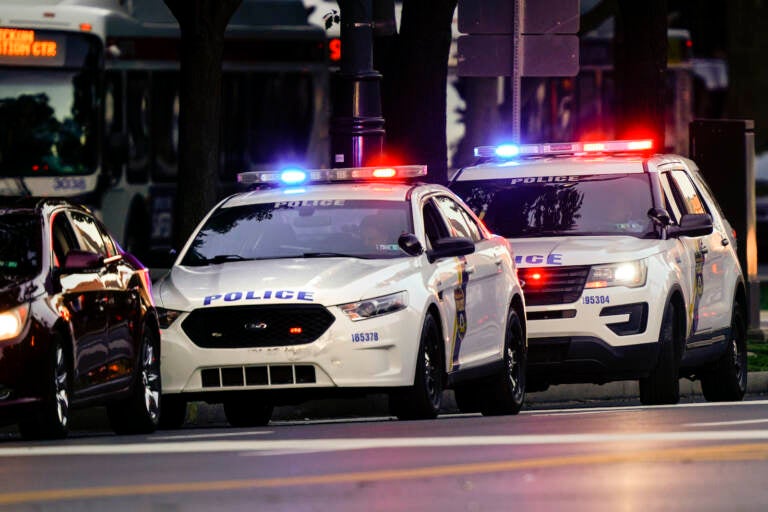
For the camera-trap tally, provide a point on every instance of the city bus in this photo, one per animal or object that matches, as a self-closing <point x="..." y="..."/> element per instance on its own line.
<point x="89" y="104"/>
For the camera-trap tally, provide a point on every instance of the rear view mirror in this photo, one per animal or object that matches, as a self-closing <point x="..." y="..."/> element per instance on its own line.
<point x="410" y="244"/>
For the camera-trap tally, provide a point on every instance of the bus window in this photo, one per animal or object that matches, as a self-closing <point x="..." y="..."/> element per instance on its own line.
<point x="165" y="125"/>
<point x="137" y="110"/>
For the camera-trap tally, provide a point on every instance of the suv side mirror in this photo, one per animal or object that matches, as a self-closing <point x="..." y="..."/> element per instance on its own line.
<point x="450" y="247"/>
<point x="692" y="224"/>
<point x="410" y="244"/>
<point x="78" y="261"/>
<point x="660" y="216"/>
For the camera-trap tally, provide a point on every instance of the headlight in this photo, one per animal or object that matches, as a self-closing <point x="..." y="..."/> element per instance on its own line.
<point x="375" y="307"/>
<point x="167" y="316"/>
<point x="630" y="274"/>
<point x="12" y="322"/>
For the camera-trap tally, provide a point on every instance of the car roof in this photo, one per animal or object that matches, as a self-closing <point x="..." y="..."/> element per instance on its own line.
<point x="346" y="191"/>
<point x="566" y="165"/>
<point x="32" y="204"/>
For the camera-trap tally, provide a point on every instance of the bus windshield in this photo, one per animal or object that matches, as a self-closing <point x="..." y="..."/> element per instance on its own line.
<point x="47" y="122"/>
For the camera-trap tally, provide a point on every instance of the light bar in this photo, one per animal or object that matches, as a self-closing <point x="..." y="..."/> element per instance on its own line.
<point x="294" y="176"/>
<point x="509" y="151"/>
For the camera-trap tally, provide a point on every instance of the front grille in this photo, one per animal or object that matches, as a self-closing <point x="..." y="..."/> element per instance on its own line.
<point x="553" y="285"/>
<point x="271" y="375"/>
<point x="257" y="326"/>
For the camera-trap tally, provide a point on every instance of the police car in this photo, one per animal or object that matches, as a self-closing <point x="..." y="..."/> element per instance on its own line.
<point x="628" y="266"/>
<point x="359" y="281"/>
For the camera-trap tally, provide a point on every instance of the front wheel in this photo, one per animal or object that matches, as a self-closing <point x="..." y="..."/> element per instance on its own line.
<point x="140" y="413"/>
<point x="423" y="399"/>
<point x="726" y="379"/>
<point x="662" y="386"/>
<point x="50" y="418"/>
<point x="506" y="390"/>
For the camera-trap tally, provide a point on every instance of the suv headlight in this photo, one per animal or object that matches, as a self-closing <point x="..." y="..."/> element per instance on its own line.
<point x="167" y="316"/>
<point x="630" y="274"/>
<point x="12" y="322"/>
<point x="377" y="306"/>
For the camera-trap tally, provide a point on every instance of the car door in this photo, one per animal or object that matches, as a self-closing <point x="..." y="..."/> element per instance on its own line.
<point x="711" y="310"/>
<point x="83" y="303"/>
<point x="119" y="301"/>
<point x="482" y="286"/>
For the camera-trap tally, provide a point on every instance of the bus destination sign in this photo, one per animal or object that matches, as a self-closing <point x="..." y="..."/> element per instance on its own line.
<point x="26" y="47"/>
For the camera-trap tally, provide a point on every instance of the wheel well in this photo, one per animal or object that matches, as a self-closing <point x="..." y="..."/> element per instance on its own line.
<point x="682" y="322"/>
<point x="741" y="299"/>
<point x="432" y="310"/>
<point x="517" y="305"/>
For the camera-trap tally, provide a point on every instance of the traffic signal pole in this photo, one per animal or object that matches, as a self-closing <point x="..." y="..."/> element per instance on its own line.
<point x="357" y="125"/>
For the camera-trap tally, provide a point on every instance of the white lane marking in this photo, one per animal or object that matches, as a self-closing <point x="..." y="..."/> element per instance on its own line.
<point x="317" y="445"/>
<point x="726" y="423"/>
<point x="208" y="436"/>
<point x="623" y="408"/>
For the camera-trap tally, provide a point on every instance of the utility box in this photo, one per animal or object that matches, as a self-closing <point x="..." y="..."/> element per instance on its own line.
<point x="724" y="150"/>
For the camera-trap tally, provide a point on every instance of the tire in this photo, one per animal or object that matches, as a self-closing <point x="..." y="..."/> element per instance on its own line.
<point x="50" y="418"/>
<point x="726" y="379"/>
<point x="173" y="412"/>
<point x="423" y="399"/>
<point x="662" y="386"/>
<point x="242" y="412"/>
<point x="506" y="390"/>
<point x="140" y="413"/>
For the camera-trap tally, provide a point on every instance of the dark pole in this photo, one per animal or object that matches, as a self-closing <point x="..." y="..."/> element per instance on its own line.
<point x="357" y="125"/>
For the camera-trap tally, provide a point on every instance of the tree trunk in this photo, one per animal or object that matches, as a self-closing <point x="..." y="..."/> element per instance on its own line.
<point x="414" y="86"/>
<point x="747" y="75"/>
<point x="640" y="63"/>
<point x="202" y="24"/>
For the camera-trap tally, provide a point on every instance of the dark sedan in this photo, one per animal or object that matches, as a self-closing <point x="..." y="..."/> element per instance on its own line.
<point x="77" y="323"/>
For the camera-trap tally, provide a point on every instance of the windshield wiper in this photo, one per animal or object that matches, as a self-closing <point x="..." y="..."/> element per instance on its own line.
<point x="331" y="255"/>
<point x="223" y="258"/>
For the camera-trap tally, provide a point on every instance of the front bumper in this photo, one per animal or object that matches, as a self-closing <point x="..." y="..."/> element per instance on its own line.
<point x="378" y="352"/>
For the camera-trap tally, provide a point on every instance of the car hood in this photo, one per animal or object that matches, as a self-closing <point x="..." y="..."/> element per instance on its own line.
<point x="583" y="250"/>
<point x="327" y="281"/>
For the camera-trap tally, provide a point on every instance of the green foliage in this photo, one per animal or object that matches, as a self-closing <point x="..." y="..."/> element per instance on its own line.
<point x="757" y="360"/>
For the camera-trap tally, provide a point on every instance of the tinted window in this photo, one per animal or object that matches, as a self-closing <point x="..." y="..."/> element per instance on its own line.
<point x="610" y="204"/>
<point x="20" y="245"/>
<point x="290" y="229"/>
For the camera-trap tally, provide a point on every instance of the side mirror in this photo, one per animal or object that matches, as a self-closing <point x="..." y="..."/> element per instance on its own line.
<point x="450" y="247"/>
<point x="78" y="261"/>
<point x="660" y="216"/>
<point x="692" y="224"/>
<point x="410" y="244"/>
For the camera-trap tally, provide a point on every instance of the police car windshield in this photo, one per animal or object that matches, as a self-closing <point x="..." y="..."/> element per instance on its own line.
<point x="302" y="229"/>
<point x="605" y="204"/>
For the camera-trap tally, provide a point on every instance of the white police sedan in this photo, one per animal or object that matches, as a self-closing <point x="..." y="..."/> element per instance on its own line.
<point x="361" y="281"/>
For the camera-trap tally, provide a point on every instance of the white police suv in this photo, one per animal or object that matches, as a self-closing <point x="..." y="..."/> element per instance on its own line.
<point x="364" y="282"/>
<point x="628" y="267"/>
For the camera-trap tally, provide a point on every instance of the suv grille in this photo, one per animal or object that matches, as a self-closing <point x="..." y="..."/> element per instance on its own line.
<point x="257" y="326"/>
<point x="553" y="285"/>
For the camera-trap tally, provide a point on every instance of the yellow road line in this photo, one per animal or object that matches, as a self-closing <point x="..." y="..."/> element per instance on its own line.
<point x="731" y="452"/>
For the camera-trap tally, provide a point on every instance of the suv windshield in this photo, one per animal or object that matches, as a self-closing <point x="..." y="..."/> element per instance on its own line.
<point x="301" y="229"/>
<point x="606" y="204"/>
<point x="20" y="243"/>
